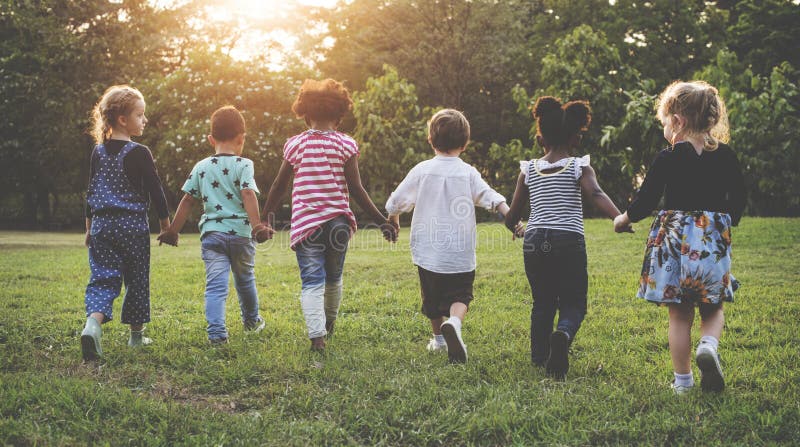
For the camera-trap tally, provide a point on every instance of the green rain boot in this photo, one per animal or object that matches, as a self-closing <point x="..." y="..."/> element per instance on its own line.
<point x="137" y="340"/>
<point x="90" y="340"/>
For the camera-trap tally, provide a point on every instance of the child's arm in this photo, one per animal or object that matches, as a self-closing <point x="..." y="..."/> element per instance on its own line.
<point x="403" y="199"/>
<point x="515" y="210"/>
<point x="600" y="199"/>
<point x="353" y="177"/>
<point x="261" y="232"/>
<point x="88" y="239"/>
<point x="276" y="193"/>
<point x="170" y="234"/>
<point x="485" y="197"/>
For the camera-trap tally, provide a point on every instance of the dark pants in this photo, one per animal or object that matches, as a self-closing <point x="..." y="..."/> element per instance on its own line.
<point x="555" y="263"/>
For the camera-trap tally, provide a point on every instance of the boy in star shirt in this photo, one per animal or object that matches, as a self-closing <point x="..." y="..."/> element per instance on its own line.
<point x="224" y="185"/>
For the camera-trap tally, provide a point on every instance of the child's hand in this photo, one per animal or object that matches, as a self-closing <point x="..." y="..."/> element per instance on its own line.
<point x="88" y="239"/>
<point x="168" y="236"/>
<point x="519" y="231"/>
<point x="390" y="228"/>
<point x="262" y="232"/>
<point x="622" y="224"/>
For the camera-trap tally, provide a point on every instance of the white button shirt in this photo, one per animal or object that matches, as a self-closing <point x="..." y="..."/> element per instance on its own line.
<point x="443" y="192"/>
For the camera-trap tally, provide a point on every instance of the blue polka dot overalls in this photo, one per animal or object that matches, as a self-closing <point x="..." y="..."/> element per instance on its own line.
<point x="119" y="248"/>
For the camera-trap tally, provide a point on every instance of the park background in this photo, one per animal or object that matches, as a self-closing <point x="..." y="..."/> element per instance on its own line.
<point x="402" y="60"/>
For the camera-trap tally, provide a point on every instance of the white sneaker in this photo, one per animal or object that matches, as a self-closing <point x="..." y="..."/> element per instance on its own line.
<point x="256" y="325"/>
<point x="680" y="390"/>
<point x="710" y="370"/>
<point x="434" y="346"/>
<point x="456" y="349"/>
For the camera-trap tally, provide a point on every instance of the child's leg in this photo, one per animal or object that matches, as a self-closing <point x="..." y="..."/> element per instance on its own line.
<point x="311" y="260"/>
<point x="136" y="273"/>
<point x="681" y="317"/>
<point x="218" y="266"/>
<point x="712" y="321"/>
<point x="243" y="255"/>
<point x="105" y="282"/>
<point x="573" y="284"/>
<point x="338" y="237"/>
<point x="545" y="299"/>
<point x="436" y="325"/>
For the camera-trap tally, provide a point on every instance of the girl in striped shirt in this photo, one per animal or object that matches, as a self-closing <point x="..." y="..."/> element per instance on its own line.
<point x="554" y="248"/>
<point x="324" y="163"/>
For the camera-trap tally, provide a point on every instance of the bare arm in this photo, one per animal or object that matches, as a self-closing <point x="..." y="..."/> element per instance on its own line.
<point x="250" y="202"/>
<point x="592" y="190"/>
<point x="276" y="192"/>
<point x="182" y="213"/>
<point x="87" y="240"/>
<point x="517" y="204"/>
<point x="353" y="177"/>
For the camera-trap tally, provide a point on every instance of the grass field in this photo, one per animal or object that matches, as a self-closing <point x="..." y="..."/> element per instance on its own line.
<point x="377" y="385"/>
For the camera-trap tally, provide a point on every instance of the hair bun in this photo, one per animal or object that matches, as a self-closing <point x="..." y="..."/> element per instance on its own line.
<point x="545" y="105"/>
<point x="577" y="116"/>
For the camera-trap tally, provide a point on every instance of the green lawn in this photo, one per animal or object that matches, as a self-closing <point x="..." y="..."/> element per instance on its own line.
<point x="377" y="385"/>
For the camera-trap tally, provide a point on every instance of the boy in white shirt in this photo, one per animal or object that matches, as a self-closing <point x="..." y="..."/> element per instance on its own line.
<point x="443" y="193"/>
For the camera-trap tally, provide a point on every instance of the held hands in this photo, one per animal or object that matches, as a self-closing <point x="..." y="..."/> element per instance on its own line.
<point x="390" y="228"/>
<point x="262" y="232"/>
<point x="622" y="224"/>
<point x="518" y="231"/>
<point x="168" y="236"/>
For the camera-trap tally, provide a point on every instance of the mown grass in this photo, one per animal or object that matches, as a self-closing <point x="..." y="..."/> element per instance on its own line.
<point x="377" y="385"/>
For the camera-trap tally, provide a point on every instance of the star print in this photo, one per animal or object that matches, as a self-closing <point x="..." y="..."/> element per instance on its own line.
<point x="214" y="160"/>
<point x="225" y="171"/>
<point x="247" y="221"/>
<point x="218" y="207"/>
<point x="229" y="196"/>
<point x="234" y="216"/>
<point x="205" y="199"/>
<point x="202" y="174"/>
<point x="238" y="159"/>
<point x="245" y="185"/>
<point x="232" y="232"/>
<point x="193" y="192"/>
<point x="219" y="220"/>
<point x="215" y="184"/>
<point x="237" y="183"/>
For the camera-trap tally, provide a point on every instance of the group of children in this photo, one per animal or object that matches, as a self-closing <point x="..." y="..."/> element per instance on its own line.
<point x="686" y="265"/>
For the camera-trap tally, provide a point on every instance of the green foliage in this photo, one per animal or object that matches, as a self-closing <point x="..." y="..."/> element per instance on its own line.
<point x="377" y="385"/>
<point x="391" y="129"/>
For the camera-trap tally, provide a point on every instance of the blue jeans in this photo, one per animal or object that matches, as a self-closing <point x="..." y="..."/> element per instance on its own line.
<point x="223" y="253"/>
<point x="321" y="260"/>
<point x="555" y="263"/>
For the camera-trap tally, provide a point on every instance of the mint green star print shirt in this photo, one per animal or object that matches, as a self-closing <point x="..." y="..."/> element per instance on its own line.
<point x="217" y="182"/>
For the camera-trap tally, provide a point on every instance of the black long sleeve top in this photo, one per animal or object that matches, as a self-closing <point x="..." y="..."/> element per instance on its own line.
<point x="141" y="172"/>
<point x="711" y="181"/>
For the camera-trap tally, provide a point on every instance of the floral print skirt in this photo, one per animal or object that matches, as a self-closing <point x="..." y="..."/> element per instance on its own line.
<point x="688" y="259"/>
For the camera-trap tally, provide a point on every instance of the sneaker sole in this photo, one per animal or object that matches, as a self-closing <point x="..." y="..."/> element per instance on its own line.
<point x="455" y="347"/>
<point x="557" y="364"/>
<point x="711" y="371"/>
<point x="89" y="349"/>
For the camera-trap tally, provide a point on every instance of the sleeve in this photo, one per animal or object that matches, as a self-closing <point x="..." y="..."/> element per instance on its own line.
<point x="404" y="197"/>
<point x="192" y="184"/>
<point x="290" y="151"/>
<point x="152" y="183"/>
<point x="247" y="177"/>
<point x="92" y="170"/>
<point x="737" y="195"/>
<point x="652" y="188"/>
<point x="482" y="194"/>
<point x="350" y="148"/>
<point x="580" y="163"/>
<point x="524" y="166"/>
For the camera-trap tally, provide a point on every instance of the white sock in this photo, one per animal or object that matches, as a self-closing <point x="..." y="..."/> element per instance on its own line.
<point x="711" y="340"/>
<point x="686" y="380"/>
<point x="439" y="339"/>
<point x="455" y="321"/>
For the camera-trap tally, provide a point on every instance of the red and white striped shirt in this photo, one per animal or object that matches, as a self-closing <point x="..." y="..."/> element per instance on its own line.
<point x="319" y="193"/>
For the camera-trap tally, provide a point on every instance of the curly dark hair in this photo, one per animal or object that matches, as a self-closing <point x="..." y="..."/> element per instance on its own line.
<point x="326" y="100"/>
<point x="227" y="123"/>
<point x="557" y="123"/>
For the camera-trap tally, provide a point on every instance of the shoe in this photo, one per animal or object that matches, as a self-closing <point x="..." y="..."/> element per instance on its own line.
<point x="318" y="344"/>
<point x="256" y="325"/>
<point x="557" y="363"/>
<point x="90" y="340"/>
<point x="137" y="340"/>
<point x="710" y="370"/>
<point x="433" y="346"/>
<point x="329" y="328"/>
<point x="218" y="341"/>
<point x="456" y="349"/>
<point x="680" y="390"/>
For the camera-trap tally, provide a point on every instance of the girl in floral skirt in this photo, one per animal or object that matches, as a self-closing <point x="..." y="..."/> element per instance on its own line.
<point x="687" y="260"/>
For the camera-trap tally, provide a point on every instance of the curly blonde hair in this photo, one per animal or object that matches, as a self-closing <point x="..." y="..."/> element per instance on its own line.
<point x="118" y="100"/>
<point x="701" y="106"/>
<point x="326" y="100"/>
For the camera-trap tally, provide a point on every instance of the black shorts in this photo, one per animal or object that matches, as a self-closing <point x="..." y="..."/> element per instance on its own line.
<point x="440" y="290"/>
